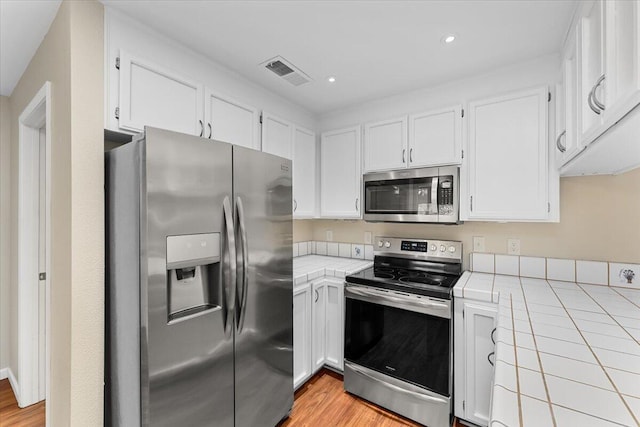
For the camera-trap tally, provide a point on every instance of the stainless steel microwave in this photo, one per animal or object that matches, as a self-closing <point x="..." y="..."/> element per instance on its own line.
<point x="429" y="195"/>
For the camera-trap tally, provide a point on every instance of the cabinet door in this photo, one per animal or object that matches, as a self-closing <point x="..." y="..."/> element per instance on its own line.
<point x="568" y="145"/>
<point x="304" y="173"/>
<point x="319" y="325"/>
<point x="385" y="145"/>
<point x="479" y="321"/>
<point x="277" y="136"/>
<point x="590" y="34"/>
<point x="151" y="95"/>
<point x="435" y="137"/>
<point x="340" y="176"/>
<point x="230" y="121"/>
<point x="508" y="161"/>
<point x="301" y="334"/>
<point x="622" y="58"/>
<point x="335" y="324"/>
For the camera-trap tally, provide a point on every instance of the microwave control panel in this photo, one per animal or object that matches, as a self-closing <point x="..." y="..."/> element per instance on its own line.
<point x="445" y="190"/>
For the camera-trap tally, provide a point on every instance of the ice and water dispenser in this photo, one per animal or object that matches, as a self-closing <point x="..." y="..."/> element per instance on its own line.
<point x="193" y="266"/>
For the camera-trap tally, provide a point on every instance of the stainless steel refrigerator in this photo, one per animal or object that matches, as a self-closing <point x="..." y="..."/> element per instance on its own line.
<point x="199" y="284"/>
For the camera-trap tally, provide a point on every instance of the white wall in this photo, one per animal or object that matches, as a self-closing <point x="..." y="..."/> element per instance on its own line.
<point x="544" y="70"/>
<point x="5" y="229"/>
<point x="141" y="41"/>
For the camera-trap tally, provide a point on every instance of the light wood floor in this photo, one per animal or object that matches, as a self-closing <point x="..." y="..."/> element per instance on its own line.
<point x="12" y="415"/>
<point x="322" y="402"/>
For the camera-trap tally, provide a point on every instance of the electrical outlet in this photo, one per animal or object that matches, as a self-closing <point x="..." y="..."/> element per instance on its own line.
<point x="329" y="236"/>
<point x="478" y="244"/>
<point x="367" y="237"/>
<point x="513" y="246"/>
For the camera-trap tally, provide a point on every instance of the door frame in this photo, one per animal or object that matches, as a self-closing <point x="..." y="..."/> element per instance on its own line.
<point x="35" y="116"/>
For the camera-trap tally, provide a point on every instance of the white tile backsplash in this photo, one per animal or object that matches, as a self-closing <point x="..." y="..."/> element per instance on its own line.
<point x="507" y="264"/>
<point x="482" y="263"/>
<point x="561" y="269"/>
<point x="592" y="272"/>
<point x="303" y="249"/>
<point x="295" y="250"/>
<point x="357" y="251"/>
<point x="532" y="267"/>
<point x="624" y="275"/>
<point x="344" y="250"/>
<point x="321" y="248"/>
<point x="332" y="249"/>
<point x="368" y="252"/>
<point x="311" y="248"/>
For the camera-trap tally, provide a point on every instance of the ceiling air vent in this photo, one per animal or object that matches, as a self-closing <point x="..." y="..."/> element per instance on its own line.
<point x="285" y="69"/>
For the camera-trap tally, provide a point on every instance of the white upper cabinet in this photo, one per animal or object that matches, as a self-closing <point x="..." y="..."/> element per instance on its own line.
<point x="622" y="57"/>
<point x="230" y="121"/>
<point x="435" y="137"/>
<point x="151" y="95"/>
<point x="508" y="162"/>
<point x="591" y="48"/>
<point x="277" y="136"/>
<point x="304" y="173"/>
<point x="608" y="79"/>
<point x="340" y="174"/>
<point x="385" y="145"/>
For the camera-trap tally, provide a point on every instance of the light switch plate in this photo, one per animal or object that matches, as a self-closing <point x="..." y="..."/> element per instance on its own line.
<point x="513" y="246"/>
<point x="367" y="237"/>
<point x="329" y="236"/>
<point x="478" y="244"/>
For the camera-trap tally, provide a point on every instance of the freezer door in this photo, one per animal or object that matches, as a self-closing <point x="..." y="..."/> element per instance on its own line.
<point x="188" y="282"/>
<point x="264" y="320"/>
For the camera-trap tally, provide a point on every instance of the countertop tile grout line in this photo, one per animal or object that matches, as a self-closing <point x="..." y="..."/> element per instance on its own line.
<point x="535" y="343"/>
<point x="614" y="319"/>
<point x="515" y="358"/>
<point x="624" y="402"/>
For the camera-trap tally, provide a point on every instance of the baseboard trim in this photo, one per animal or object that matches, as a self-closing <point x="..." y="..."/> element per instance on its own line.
<point x="14" y="385"/>
<point x="4" y="373"/>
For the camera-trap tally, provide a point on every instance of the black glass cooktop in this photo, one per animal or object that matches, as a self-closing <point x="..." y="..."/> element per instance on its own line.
<point x="415" y="281"/>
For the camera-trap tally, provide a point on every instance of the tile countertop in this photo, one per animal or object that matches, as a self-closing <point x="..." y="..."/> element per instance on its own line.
<point x="567" y="354"/>
<point x="310" y="267"/>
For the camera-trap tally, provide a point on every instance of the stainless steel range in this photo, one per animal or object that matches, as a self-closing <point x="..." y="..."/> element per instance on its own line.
<point x="398" y="328"/>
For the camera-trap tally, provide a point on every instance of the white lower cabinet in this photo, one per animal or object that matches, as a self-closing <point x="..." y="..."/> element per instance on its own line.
<point x="474" y="357"/>
<point x="318" y="322"/>
<point x="318" y="328"/>
<point x="334" y="355"/>
<point x="301" y="334"/>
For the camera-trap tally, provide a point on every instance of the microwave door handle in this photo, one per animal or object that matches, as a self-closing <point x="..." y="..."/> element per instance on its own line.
<point x="434" y="193"/>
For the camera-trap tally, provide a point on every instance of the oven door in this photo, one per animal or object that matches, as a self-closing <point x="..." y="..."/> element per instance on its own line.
<point x="405" y="337"/>
<point x="402" y="196"/>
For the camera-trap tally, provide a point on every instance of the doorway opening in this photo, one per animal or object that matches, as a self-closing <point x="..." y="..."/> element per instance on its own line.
<point x="34" y="250"/>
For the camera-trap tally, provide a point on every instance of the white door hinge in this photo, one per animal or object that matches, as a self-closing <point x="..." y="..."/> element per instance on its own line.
<point x="118" y="113"/>
<point x="118" y="62"/>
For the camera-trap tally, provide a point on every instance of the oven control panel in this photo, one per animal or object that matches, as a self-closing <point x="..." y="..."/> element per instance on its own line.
<point x="419" y="248"/>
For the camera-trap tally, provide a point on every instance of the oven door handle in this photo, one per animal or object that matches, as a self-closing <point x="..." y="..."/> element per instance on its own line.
<point x="395" y="387"/>
<point x="435" y="308"/>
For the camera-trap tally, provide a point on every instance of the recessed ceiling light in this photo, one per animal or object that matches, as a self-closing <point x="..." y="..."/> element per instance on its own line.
<point x="331" y="79"/>
<point x="449" y="38"/>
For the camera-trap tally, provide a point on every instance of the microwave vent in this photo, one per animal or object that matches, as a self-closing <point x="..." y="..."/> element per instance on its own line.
<point x="287" y="71"/>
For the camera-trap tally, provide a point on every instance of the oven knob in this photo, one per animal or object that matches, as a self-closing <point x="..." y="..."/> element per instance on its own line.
<point x="387" y="244"/>
<point x="379" y="243"/>
<point x="452" y="249"/>
<point x="442" y="248"/>
<point x="433" y="248"/>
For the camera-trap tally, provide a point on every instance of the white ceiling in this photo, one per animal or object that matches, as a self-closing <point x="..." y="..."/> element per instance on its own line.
<point x="23" y="25"/>
<point x="373" y="48"/>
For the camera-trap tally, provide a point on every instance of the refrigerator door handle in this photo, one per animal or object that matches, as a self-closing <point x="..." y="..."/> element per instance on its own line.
<point x="243" y="276"/>
<point x="229" y="268"/>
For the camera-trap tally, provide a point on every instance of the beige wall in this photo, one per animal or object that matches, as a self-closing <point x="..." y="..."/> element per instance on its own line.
<point x="71" y="58"/>
<point x="5" y="229"/>
<point x="599" y="220"/>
